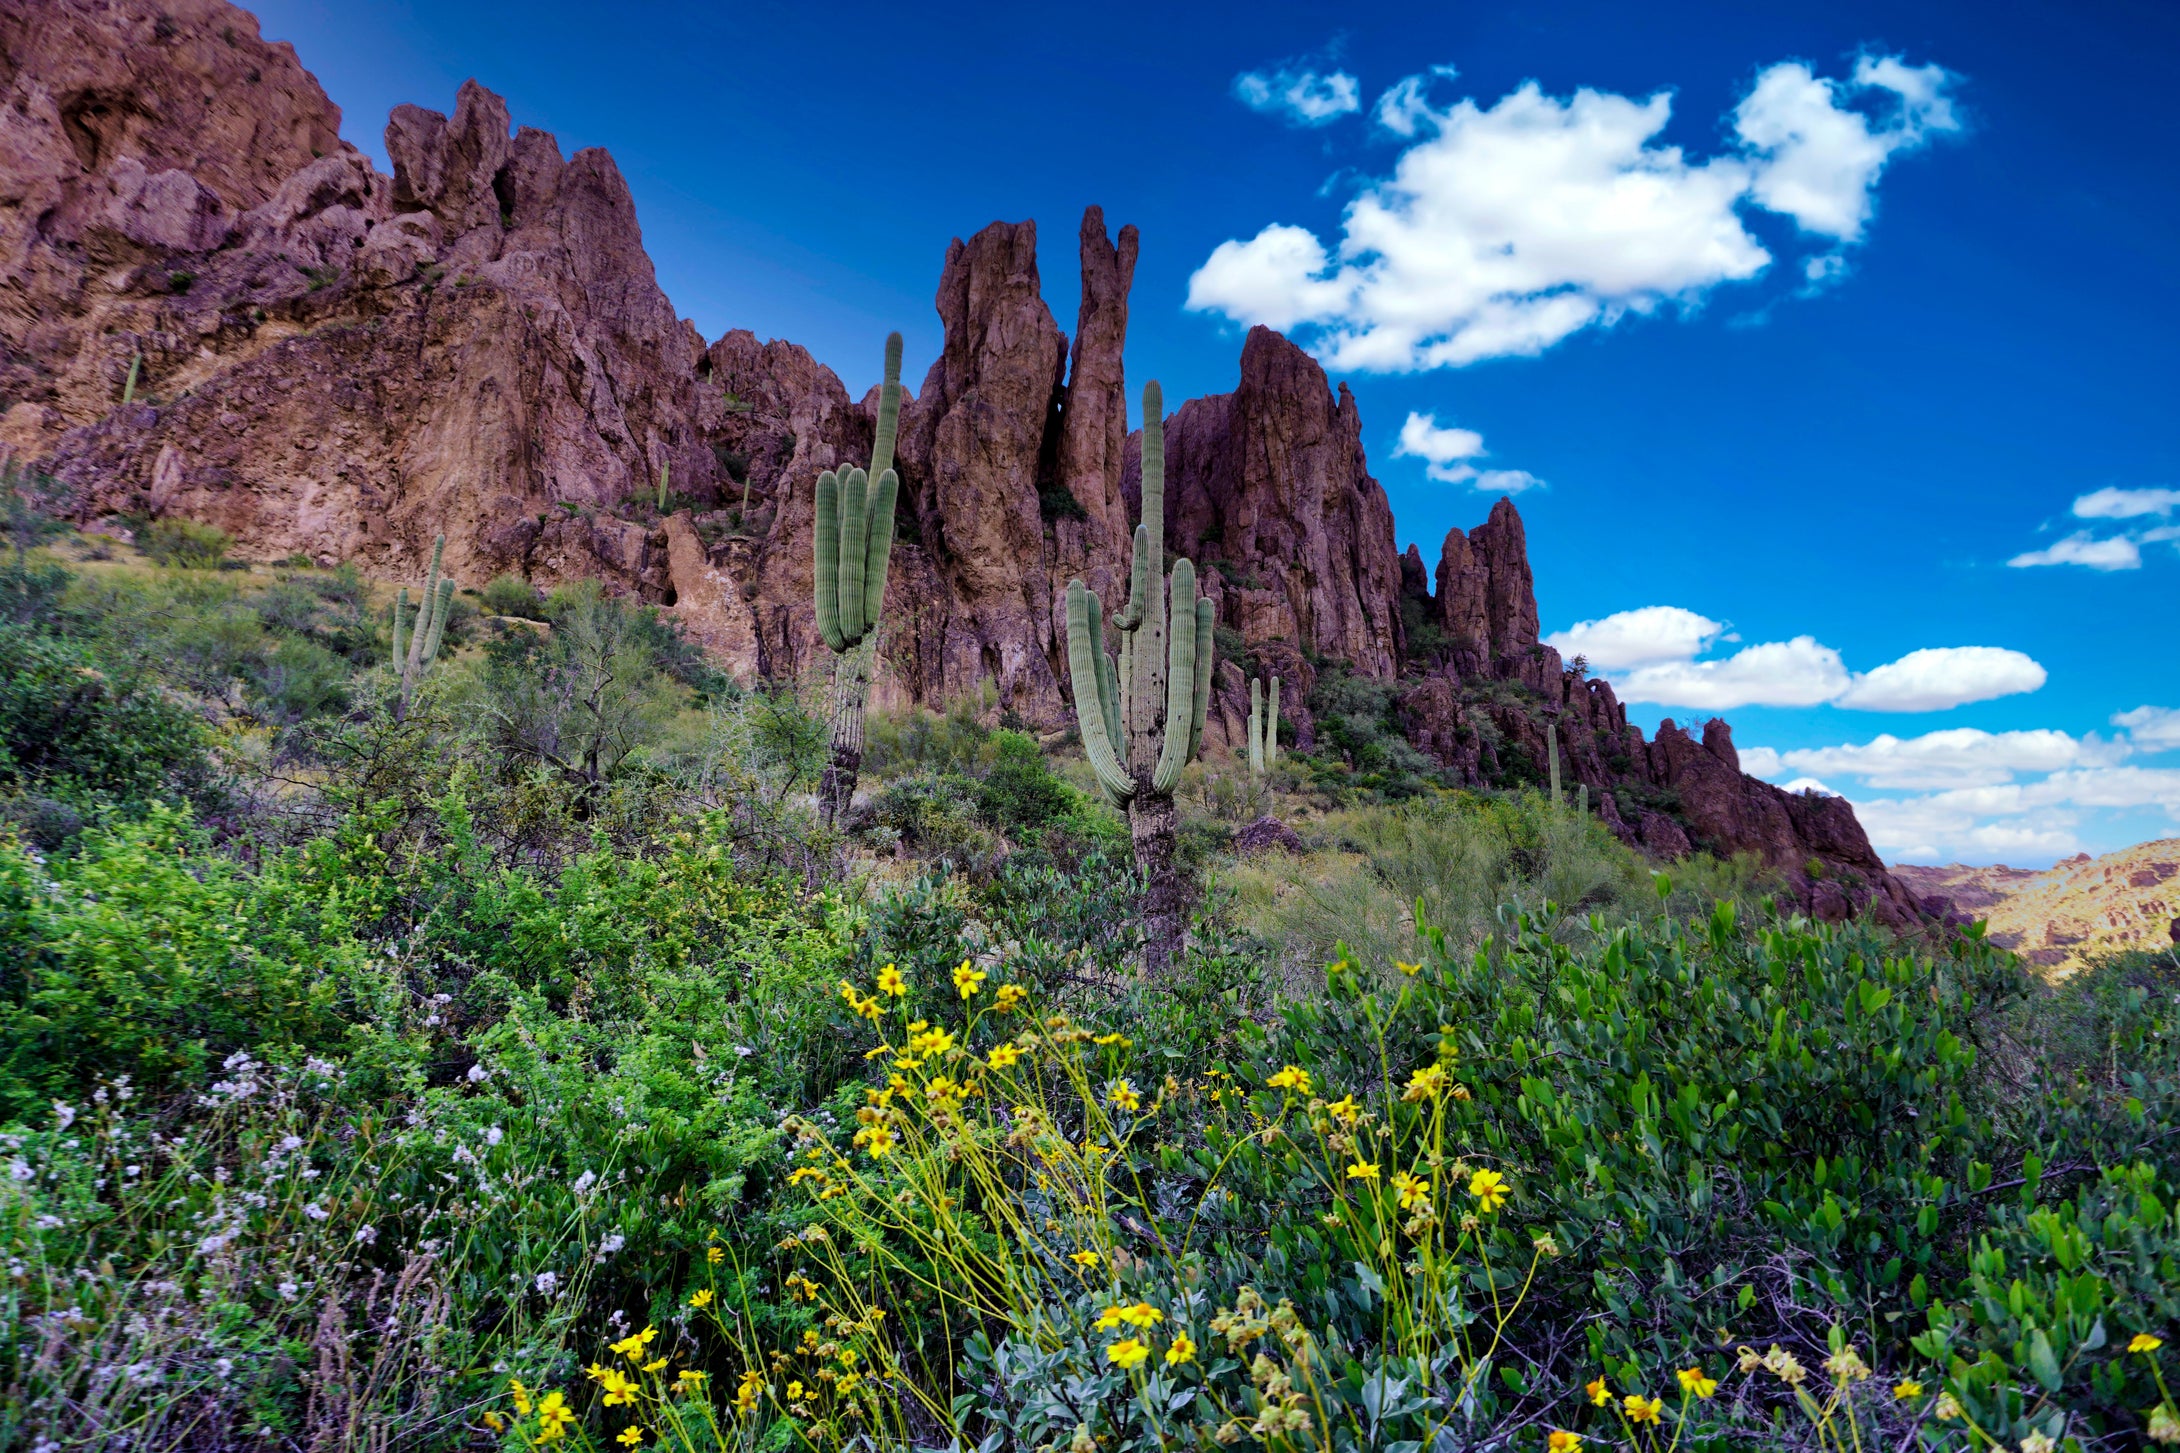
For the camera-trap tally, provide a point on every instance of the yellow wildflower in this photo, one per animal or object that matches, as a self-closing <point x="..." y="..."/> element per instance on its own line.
<point x="1142" y="1314"/>
<point x="630" y="1438"/>
<point x="1415" y="1192"/>
<point x="1107" y="1319"/>
<point x="891" y="982"/>
<point x="1345" y="1110"/>
<point x="1003" y="1057"/>
<point x="654" y="1364"/>
<point x="714" y="1255"/>
<point x="876" y="1139"/>
<point x="495" y="1422"/>
<point x="1109" y="1040"/>
<point x="968" y="980"/>
<point x="553" y="1417"/>
<point x="1122" y="1095"/>
<point x="1129" y="1352"/>
<point x="1085" y="1258"/>
<point x="1427" y="1083"/>
<point x="620" y="1387"/>
<point x="745" y="1396"/>
<point x="690" y="1381"/>
<point x="1010" y="998"/>
<point x="1293" y="1077"/>
<point x="1363" y="1170"/>
<point x="632" y="1346"/>
<point x="1411" y="970"/>
<point x="1562" y="1441"/>
<point x="1183" y="1350"/>
<point x="1489" y="1188"/>
<point x="521" y="1396"/>
<point x="1905" y="1388"/>
<point x="1599" y="1393"/>
<point x="1693" y="1379"/>
<point x="794" y="1391"/>
<point x="1640" y="1409"/>
<point x="2144" y="1342"/>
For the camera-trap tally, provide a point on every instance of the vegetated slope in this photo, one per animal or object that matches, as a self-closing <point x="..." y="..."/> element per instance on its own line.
<point x="2070" y="913"/>
<point x="217" y="310"/>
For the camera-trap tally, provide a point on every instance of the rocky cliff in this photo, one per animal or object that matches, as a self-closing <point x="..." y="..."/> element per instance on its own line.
<point x="2065" y="917"/>
<point x="211" y="306"/>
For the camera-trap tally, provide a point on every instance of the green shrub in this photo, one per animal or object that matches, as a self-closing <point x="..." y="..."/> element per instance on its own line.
<point x="185" y="544"/>
<point x="65" y="723"/>
<point x="511" y="595"/>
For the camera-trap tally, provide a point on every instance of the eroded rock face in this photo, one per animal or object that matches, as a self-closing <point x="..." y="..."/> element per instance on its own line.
<point x="343" y="364"/>
<point x="1267" y="490"/>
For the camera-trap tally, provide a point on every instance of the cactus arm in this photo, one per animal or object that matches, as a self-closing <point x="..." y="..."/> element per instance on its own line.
<point x="1139" y="581"/>
<point x="1108" y="689"/>
<point x="1551" y="750"/>
<point x="854" y="552"/>
<point x="1089" y="708"/>
<point x="1124" y="682"/>
<point x="401" y="608"/>
<point x="878" y="548"/>
<point x="889" y="414"/>
<point x="1271" y="728"/>
<point x="439" y="614"/>
<point x="663" y="468"/>
<point x="1180" y="687"/>
<point x="1206" y="652"/>
<point x="825" y="557"/>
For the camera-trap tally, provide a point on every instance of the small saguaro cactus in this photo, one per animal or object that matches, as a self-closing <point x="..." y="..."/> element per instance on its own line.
<point x="851" y="551"/>
<point x="663" y="468"/>
<point x="1142" y="717"/>
<point x="1263" y="726"/>
<point x="414" y="656"/>
<point x="1551" y="752"/>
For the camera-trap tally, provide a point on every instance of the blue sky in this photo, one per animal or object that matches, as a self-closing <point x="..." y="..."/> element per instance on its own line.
<point x="1797" y="327"/>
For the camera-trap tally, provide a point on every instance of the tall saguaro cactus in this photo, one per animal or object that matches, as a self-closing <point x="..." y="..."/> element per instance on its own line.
<point x="414" y="656"/>
<point x="1142" y="717"/>
<point x="1263" y="727"/>
<point x="851" y="551"/>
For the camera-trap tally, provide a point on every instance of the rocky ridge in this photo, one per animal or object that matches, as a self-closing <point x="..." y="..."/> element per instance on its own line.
<point x="333" y="362"/>
<point x="2062" y="917"/>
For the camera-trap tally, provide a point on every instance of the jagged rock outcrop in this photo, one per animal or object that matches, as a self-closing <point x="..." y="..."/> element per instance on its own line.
<point x="342" y="364"/>
<point x="1268" y="491"/>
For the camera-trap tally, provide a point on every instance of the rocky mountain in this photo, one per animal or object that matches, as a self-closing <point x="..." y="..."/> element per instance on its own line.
<point x="211" y="306"/>
<point x="2067" y="914"/>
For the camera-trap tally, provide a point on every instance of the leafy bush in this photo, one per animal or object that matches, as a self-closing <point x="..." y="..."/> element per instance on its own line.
<point x="511" y="595"/>
<point x="66" y="725"/>
<point x="185" y="544"/>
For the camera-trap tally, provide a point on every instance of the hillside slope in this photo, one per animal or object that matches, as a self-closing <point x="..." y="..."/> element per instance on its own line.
<point x="2070" y="913"/>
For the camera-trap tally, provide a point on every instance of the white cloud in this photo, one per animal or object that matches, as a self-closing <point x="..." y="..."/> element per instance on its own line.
<point x="1816" y="158"/>
<point x="2126" y="504"/>
<point x="1777" y="673"/>
<point x="1955" y="757"/>
<point x="2118" y="553"/>
<point x="1638" y="637"/>
<point x="1305" y="98"/>
<point x="1807" y="784"/>
<point x="2151" y="728"/>
<point x="1448" y="453"/>
<point x="1938" y="678"/>
<point x="1650" y="654"/>
<point x="1502" y="230"/>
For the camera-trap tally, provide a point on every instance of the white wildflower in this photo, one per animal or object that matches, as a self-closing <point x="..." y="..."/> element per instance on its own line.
<point x="478" y="1074"/>
<point x="548" y="1282"/>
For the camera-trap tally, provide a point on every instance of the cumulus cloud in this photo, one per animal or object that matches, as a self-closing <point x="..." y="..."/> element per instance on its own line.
<point x="1302" y="97"/>
<point x="1449" y="453"/>
<point x="1504" y="229"/>
<point x="1641" y="637"/>
<point x="2151" y="728"/>
<point x="1799" y="672"/>
<point x="1650" y="654"/>
<point x="2126" y="504"/>
<point x="2117" y="553"/>
<point x="1955" y="757"/>
<point x="1938" y="678"/>
<point x="1815" y="158"/>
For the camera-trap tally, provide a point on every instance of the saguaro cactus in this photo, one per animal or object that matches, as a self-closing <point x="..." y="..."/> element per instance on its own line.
<point x="1551" y="752"/>
<point x="1263" y="726"/>
<point x="413" y="658"/>
<point x="1142" y="717"/>
<point x="851" y="551"/>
